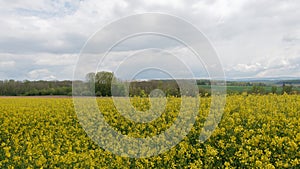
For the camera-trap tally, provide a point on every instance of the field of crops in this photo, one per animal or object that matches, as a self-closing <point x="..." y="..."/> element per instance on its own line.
<point x="256" y="131"/>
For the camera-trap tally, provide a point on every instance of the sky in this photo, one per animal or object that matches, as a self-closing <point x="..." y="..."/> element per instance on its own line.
<point x="42" y="39"/>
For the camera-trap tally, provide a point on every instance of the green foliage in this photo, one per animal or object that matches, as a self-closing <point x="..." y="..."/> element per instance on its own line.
<point x="257" y="89"/>
<point x="287" y="89"/>
<point x="35" y="88"/>
<point x="274" y="89"/>
<point x="104" y="83"/>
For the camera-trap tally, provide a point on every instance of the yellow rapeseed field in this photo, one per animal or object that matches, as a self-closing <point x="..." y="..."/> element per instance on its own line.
<point x="256" y="131"/>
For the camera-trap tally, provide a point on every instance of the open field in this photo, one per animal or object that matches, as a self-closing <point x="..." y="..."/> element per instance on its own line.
<point x="240" y="89"/>
<point x="255" y="131"/>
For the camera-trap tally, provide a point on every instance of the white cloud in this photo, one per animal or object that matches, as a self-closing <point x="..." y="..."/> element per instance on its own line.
<point x="252" y="38"/>
<point x="168" y="3"/>
<point x="46" y="59"/>
<point x="219" y="9"/>
<point x="6" y="64"/>
<point x="43" y="74"/>
<point x="248" y="67"/>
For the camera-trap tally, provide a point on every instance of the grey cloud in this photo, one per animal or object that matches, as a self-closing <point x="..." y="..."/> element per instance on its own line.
<point x="243" y="32"/>
<point x="60" y="66"/>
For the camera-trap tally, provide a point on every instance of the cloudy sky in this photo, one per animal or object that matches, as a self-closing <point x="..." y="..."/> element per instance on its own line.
<point x="42" y="39"/>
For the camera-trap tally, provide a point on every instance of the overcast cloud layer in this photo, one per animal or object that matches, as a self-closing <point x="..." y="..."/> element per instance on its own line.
<point x="41" y="39"/>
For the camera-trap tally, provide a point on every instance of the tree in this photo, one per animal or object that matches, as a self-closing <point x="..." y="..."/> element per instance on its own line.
<point x="90" y="78"/>
<point x="103" y="82"/>
<point x="274" y="89"/>
<point x="258" y="89"/>
<point x="287" y="88"/>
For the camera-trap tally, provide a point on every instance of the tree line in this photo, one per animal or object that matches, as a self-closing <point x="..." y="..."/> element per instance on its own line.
<point x="35" y="88"/>
<point x="106" y="84"/>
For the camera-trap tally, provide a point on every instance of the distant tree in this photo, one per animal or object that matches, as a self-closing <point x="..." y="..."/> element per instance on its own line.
<point x="274" y="89"/>
<point x="90" y="78"/>
<point x="103" y="82"/>
<point x="118" y="89"/>
<point x="258" y="89"/>
<point x="287" y="88"/>
<point x="201" y="83"/>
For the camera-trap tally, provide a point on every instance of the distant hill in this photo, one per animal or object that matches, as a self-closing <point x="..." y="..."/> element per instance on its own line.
<point x="270" y="81"/>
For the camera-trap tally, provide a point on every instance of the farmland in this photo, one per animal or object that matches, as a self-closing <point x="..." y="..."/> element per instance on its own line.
<point x="255" y="131"/>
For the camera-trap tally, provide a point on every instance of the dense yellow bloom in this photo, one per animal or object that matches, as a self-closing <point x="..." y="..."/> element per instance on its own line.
<point x="255" y="132"/>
